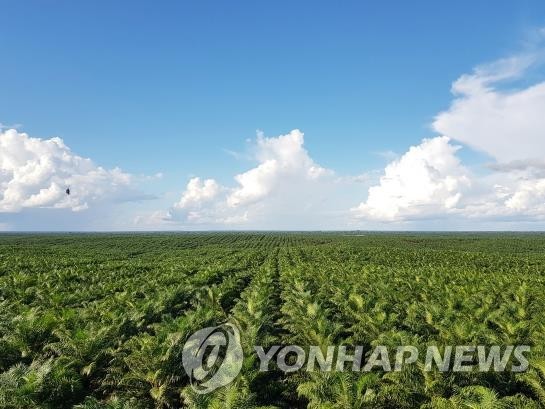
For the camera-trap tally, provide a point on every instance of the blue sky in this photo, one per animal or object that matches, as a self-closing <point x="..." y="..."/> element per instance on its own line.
<point x="175" y="87"/>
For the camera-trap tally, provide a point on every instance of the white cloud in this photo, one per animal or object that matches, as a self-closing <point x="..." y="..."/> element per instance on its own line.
<point x="34" y="173"/>
<point x="427" y="185"/>
<point x="198" y="192"/>
<point x="529" y="197"/>
<point x="427" y="180"/>
<point x="513" y="195"/>
<point x="504" y="123"/>
<point x="280" y="160"/>
<point x="285" y="184"/>
<point x="153" y="220"/>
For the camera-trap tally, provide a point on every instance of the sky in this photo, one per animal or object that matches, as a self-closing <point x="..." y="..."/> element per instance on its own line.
<point x="242" y="115"/>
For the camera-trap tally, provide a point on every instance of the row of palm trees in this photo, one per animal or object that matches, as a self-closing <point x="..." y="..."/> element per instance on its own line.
<point x="109" y="336"/>
<point x="347" y="298"/>
<point x="254" y="314"/>
<point x="103" y="325"/>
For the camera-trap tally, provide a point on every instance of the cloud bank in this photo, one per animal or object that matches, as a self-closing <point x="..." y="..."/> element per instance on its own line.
<point x="495" y="110"/>
<point x="285" y="187"/>
<point x="427" y="180"/>
<point x="505" y="122"/>
<point x="34" y="173"/>
<point x="490" y="113"/>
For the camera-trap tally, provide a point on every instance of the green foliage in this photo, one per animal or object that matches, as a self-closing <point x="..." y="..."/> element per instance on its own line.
<point x="98" y="321"/>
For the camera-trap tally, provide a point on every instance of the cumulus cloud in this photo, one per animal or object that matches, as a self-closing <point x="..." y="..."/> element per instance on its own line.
<point x="528" y="197"/>
<point x="506" y="123"/>
<point x="280" y="160"/>
<point x="34" y="173"/>
<point x="516" y="194"/>
<point x="284" y="177"/>
<point x="198" y="192"/>
<point x="427" y="180"/>
<point x="494" y="110"/>
<point x="492" y="115"/>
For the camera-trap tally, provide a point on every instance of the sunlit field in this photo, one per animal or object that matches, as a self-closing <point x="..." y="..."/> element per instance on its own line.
<point x="100" y="320"/>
